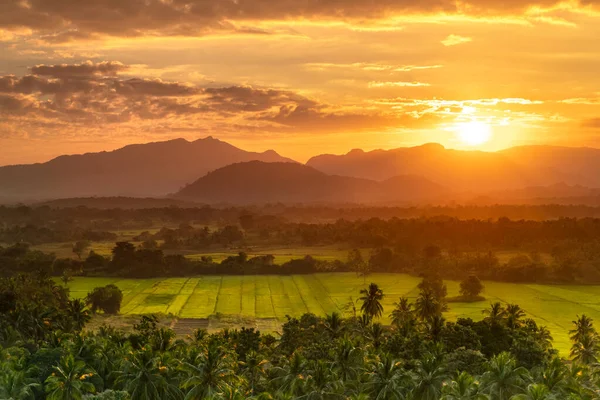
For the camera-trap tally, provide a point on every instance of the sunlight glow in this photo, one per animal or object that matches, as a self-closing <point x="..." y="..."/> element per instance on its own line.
<point x="474" y="133"/>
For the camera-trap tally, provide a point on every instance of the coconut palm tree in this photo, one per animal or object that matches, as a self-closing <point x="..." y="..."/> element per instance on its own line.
<point x="536" y="391"/>
<point x="388" y="380"/>
<point x="254" y="369"/>
<point x="145" y="378"/>
<point x="584" y="326"/>
<point x="427" y="306"/>
<point x="464" y="387"/>
<point x="320" y="385"/>
<point x="211" y="373"/>
<point x="514" y="316"/>
<point x="503" y="379"/>
<point x="585" y="350"/>
<point x="348" y="361"/>
<point x="429" y="377"/>
<point x="371" y="301"/>
<point x="403" y="314"/>
<point x="69" y="380"/>
<point x="289" y="378"/>
<point x="495" y="314"/>
<point x="79" y="315"/>
<point x="334" y="324"/>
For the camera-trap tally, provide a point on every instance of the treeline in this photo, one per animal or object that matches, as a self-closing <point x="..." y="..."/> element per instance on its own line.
<point x="46" y="352"/>
<point x="566" y="265"/>
<point x="39" y="235"/>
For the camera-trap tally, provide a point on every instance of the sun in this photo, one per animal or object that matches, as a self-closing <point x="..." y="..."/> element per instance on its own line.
<point x="474" y="133"/>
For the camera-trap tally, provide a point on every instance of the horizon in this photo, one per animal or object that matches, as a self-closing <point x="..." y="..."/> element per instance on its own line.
<point x="308" y="157"/>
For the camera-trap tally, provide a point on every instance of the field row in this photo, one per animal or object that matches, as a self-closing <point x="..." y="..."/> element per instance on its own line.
<point x="275" y="296"/>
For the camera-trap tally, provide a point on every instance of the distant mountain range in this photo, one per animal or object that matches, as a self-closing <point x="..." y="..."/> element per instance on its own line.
<point x="473" y="171"/>
<point x="217" y="172"/>
<point x="153" y="169"/>
<point x="257" y="182"/>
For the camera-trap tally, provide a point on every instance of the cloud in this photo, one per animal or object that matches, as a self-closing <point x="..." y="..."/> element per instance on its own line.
<point x="88" y="68"/>
<point x="95" y="94"/>
<point x="67" y="20"/>
<point x="453" y="40"/>
<point x="397" y="84"/>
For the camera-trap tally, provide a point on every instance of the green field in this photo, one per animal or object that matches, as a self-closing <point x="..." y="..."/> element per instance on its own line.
<point x="275" y="296"/>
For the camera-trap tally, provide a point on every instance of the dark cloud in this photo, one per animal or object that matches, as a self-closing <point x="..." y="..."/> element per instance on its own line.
<point x="88" y="68"/>
<point x="93" y="94"/>
<point x="67" y="20"/>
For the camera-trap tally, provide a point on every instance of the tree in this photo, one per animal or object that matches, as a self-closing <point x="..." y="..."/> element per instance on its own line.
<point x="514" y="316"/>
<point x="209" y="373"/>
<point x="16" y="385"/>
<point x="403" y="316"/>
<point x="357" y="264"/>
<point x="429" y="377"/>
<point x="145" y="377"/>
<point x="503" y="379"/>
<point x="428" y="306"/>
<point x="464" y="387"/>
<point x="371" y="301"/>
<point x="70" y="380"/>
<point x="495" y="314"/>
<point x="78" y="314"/>
<point x="107" y="299"/>
<point x="471" y="287"/>
<point x="80" y="247"/>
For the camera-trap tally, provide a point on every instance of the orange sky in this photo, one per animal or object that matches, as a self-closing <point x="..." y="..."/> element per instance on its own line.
<point x="301" y="77"/>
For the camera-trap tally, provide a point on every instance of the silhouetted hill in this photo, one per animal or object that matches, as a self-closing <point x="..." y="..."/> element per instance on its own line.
<point x="475" y="171"/>
<point x="258" y="182"/>
<point x="152" y="169"/>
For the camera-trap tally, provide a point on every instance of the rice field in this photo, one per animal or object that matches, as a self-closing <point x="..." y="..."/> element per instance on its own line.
<point x="275" y="296"/>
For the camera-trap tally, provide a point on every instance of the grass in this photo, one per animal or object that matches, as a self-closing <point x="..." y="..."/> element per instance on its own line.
<point x="272" y="297"/>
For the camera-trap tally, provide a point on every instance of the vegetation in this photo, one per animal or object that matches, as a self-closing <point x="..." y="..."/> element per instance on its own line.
<point x="504" y="356"/>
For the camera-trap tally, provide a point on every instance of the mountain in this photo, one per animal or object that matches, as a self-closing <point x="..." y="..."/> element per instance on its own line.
<point x="473" y="171"/>
<point x="257" y="182"/>
<point x="152" y="169"/>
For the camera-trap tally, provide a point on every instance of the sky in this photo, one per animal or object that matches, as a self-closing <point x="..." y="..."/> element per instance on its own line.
<point x="302" y="77"/>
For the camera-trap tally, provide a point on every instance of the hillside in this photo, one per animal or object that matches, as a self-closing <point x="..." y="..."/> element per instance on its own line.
<point x="258" y="182"/>
<point x="474" y="171"/>
<point x="152" y="169"/>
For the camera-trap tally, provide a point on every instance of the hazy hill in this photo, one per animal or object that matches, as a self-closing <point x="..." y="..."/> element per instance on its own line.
<point x="258" y="182"/>
<point x="152" y="169"/>
<point x="475" y="171"/>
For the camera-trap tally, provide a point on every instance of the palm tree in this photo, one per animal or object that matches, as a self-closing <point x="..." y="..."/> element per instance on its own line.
<point x="403" y="315"/>
<point x="70" y="380"/>
<point x="503" y="378"/>
<point x="495" y="314"/>
<point x="429" y="377"/>
<point x="371" y="301"/>
<point x="536" y="391"/>
<point x="145" y="378"/>
<point x="79" y="315"/>
<point x="464" y="387"/>
<point x="16" y="385"/>
<point x="348" y="361"/>
<point x="334" y="324"/>
<point x="290" y="377"/>
<point x="319" y="384"/>
<point x="388" y="380"/>
<point x="435" y="326"/>
<point x="254" y="369"/>
<point x="584" y="326"/>
<point x="212" y="372"/>
<point x="585" y="350"/>
<point x="428" y="306"/>
<point x="514" y="315"/>
<point x="555" y="376"/>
